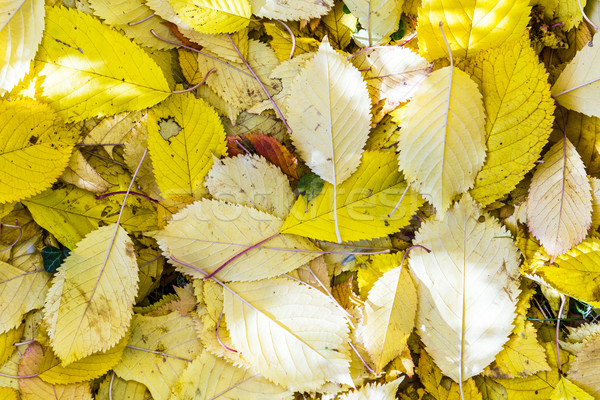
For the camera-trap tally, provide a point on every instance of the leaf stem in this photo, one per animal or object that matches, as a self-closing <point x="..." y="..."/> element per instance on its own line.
<point x="360" y="357"/>
<point x="560" y="311"/>
<point x="125" y="192"/>
<point x="141" y="20"/>
<point x="158" y="352"/>
<point x="594" y="27"/>
<point x="219" y="338"/>
<point x="16" y="225"/>
<point x="399" y="201"/>
<point x="292" y="35"/>
<point x="196" y="86"/>
<point x="277" y="110"/>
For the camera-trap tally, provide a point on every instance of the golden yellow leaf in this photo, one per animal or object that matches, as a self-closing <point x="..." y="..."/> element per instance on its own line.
<point x="210" y="233"/>
<point x="121" y="389"/>
<point x="379" y="18"/>
<point x="282" y="42"/>
<point x="490" y="389"/>
<point x="370" y="272"/>
<point x="36" y="389"/>
<point x="339" y="26"/>
<point x="10" y="368"/>
<point x="577" y="86"/>
<point x="76" y="67"/>
<point x="159" y="350"/>
<point x="329" y="115"/>
<point x="584" y="133"/>
<point x="35" y="148"/>
<point x="89" y="306"/>
<point x="585" y="367"/>
<point x="150" y="271"/>
<point x="120" y="13"/>
<point x="569" y="13"/>
<point x="470" y="26"/>
<point x="467" y="288"/>
<point x="213" y="16"/>
<point x="7" y="393"/>
<point x="440" y="155"/>
<point x="251" y="180"/>
<point x="219" y="45"/>
<point x="290" y="10"/>
<point x="559" y="204"/>
<point x="7" y="341"/>
<point x="71" y="213"/>
<point x="519" y="109"/>
<point x="293" y="335"/>
<point x="567" y="390"/>
<point x="183" y="134"/>
<point x="439" y="386"/>
<point x="21" y="28"/>
<point x="389" y="318"/>
<point x="372" y="391"/>
<point x="393" y="74"/>
<point x="362" y="205"/>
<point x="208" y="377"/>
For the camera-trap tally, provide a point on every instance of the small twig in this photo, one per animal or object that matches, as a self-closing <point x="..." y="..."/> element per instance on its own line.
<point x="112" y="378"/>
<point x="292" y="35"/>
<point x="560" y="311"/>
<point x="399" y="201"/>
<point x="158" y="352"/>
<point x="196" y="86"/>
<point x="16" y="225"/>
<point x="557" y="24"/>
<point x="594" y="27"/>
<point x="24" y="342"/>
<point x="361" y="359"/>
<point x="125" y="192"/>
<point x="141" y="20"/>
<point x="219" y="338"/>
<point x="275" y="106"/>
<point x="241" y="146"/>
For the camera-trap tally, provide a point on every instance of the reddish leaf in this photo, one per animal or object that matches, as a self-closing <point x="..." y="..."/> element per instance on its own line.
<point x="180" y="36"/>
<point x="275" y="152"/>
<point x="233" y="148"/>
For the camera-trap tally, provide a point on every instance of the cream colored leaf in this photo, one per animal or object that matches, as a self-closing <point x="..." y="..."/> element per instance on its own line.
<point x="209" y="233"/>
<point x="559" y="204"/>
<point x="219" y="45"/>
<point x="584" y="133"/>
<point x="115" y="130"/>
<point x="577" y="86"/>
<point x="292" y="334"/>
<point x="290" y="10"/>
<point x="81" y="174"/>
<point x="393" y="74"/>
<point x="121" y="389"/>
<point x="21" y="28"/>
<point x="375" y="391"/>
<point x="251" y="180"/>
<point x="89" y="305"/>
<point x="208" y="377"/>
<point x="119" y="13"/>
<point x="585" y="368"/>
<point x="389" y="318"/>
<point x="467" y="288"/>
<point x="379" y="18"/>
<point x="159" y="350"/>
<point x="22" y="289"/>
<point x="442" y="153"/>
<point x="213" y="16"/>
<point x="329" y="115"/>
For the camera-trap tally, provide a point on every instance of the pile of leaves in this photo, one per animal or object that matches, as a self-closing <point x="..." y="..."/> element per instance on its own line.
<point x="270" y="199"/>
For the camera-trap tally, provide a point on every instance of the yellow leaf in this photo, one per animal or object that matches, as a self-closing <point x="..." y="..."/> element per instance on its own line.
<point x="150" y="271"/>
<point x="121" y="389"/>
<point x="35" y="148"/>
<point x="329" y="115"/>
<point x="21" y="28"/>
<point x="10" y="368"/>
<point x="159" y="350"/>
<point x="439" y="386"/>
<point x="467" y="288"/>
<point x="293" y="335"/>
<point x="575" y="272"/>
<point x="567" y="390"/>
<point x="578" y="336"/>
<point x="183" y="132"/>
<point x="290" y="10"/>
<point x="219" y="45"/>
<point x="372" y="391"/>
<point x="235" y="83"/>
<point x="207" y="377"/>
<point x="470" y="26"/>
<point x="441" y="154"/>
<point x="283" y="43"/>
<point x="7" y="342"/>
<point x="569" y="13"/>
<point x="213" y="16"/>
<point x="88" y="368"/>
<point x="115" y="130"/>
<point x="393" y="74"/>
<point x="120" y="13"/>
<point x="7" y="393"/>
<point x="371" y="271"/>
<point x="77" y="68"/>
<point x="89" y="306"/>
<point x="362" y="206"/>
<point x="519" y="109"/>
<point x="81" y="174"/>
<point x="71" y="213"/>
<point x="541" y="385"/>
<point x="22" y="289"/>
<point x="339" y="26"/>
<point x="559" y="204"/>
<point x="490" y="389"/>
<point x="585" y="367"/>
<point x="379" y="18"/>
<point x="584" y="133"/>
<point x="251" y="180"/>
<point x="36" y="389"/>
<point x="250" y="123"/>
<point x="577" y="86"/>
<point x="389" y="318"/>
<point x="209" y="233"/>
